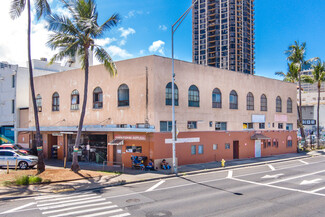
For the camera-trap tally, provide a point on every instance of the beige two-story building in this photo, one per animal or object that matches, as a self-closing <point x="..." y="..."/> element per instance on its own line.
<point x="225" y="114"/>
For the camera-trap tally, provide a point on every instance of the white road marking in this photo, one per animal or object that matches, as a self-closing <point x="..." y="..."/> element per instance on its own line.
<point x="70" y="204"/>
<point x="296" y="177"/>
<point x="279" y="187"/>
<point x="78" y="207"/>
<point x="310" y="182"/>
<point x="272" y="176"/>
<point x="71" y="197"/>
<point x="90" y="210"/>
<point x="121" y="215"/>
<point x="318" y="189"/>
<point x="304" y="162"/>
<point x="18" y="208"/>
<point x="82" y="199"/>
<point x="155" y="186"/>
<point x="271" y="167"/>
<point x="230" y="172"/>
<point x="103" y="213"/>
<point x="58" y="195"/>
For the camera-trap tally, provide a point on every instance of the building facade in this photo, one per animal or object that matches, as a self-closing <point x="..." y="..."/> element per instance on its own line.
<point x="219" y="113"/>
<point x="223" y="34"/>
<point x="8" y="75"/>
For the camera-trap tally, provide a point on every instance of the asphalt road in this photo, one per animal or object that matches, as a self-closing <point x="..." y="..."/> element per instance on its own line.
<point x="292" y="188"/>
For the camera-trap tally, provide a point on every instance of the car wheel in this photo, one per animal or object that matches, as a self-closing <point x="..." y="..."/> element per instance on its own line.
<point x="23" y="165"/>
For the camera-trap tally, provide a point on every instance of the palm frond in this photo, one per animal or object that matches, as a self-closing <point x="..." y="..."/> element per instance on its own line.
<point x="103" y="57"/>
<point x="307" y="79"/>
<point x="42" y="8"/>
<point x="108" y="24"/>
<point x="16" y="8"/>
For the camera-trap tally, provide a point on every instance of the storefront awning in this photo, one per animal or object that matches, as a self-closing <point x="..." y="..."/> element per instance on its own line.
<point x="116" y="142"/>
<point x="259" y="136"/>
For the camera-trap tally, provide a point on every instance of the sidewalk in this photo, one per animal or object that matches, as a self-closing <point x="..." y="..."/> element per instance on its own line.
<point x="131" y="176"/>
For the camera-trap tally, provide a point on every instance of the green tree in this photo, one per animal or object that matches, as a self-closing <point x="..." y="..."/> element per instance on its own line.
<point x="292" y="74"/>
<point x="75" y="36"/>
<point x="42" y="9"/>
<point x="318" y="76"/>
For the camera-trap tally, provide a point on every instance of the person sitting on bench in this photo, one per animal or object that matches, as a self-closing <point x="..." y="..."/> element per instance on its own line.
<point x="164" y="165"/>
<point x="150" y="165"/>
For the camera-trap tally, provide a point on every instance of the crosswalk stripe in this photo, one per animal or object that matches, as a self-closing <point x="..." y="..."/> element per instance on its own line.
<point x="67" y="198"/>
<point x="121" y="215"/>
<point x="57" y="195"/>
<point x="102" y="213"/>
<point x="70" y="204"/>
<point x="78" y="207"/>
<point x="82" y="199"/>
<point x="89" y="210"/>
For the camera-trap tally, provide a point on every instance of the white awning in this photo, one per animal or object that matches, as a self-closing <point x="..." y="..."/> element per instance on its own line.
<point x="116" y="142"/>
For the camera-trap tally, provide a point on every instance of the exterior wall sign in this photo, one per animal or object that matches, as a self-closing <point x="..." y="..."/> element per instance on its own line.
<point x="258" y="118"/>
<point x="280" y="118"/>
<point x="130" y="137"/>
<point x="308" y="122"/>
<point x="183" y="140"/>
<point x="56" y="134"/>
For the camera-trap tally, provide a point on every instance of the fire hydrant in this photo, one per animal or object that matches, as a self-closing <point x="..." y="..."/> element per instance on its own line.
<point x="223" y="162"/>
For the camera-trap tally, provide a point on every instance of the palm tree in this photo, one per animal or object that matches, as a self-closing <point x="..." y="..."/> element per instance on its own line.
<point x="76" y="36"/>
<point x="318" y="77"/>
<point x="42" y="9"/>
<point x="292" y="75"/>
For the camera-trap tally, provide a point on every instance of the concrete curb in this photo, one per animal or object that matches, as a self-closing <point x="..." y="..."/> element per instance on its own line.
<point x="168" y="176"/>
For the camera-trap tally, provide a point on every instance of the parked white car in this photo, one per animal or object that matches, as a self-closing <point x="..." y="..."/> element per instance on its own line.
<point x="24" y="161"/>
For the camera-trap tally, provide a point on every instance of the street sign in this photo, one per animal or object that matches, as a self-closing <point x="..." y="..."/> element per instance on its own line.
<point x="183" y="140"/>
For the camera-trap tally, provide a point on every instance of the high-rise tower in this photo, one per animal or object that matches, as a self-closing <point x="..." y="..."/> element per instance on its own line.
<point x="223" y="34"/>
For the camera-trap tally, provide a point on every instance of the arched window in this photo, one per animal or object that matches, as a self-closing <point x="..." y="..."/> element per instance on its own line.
<point x="193" y="96"/>
<point x="278" y="104"/>
<point x="289" y="141"/>
<point x="75" y="100"/>
<point x="39" y="102"/>
<point x="289" y="105"/>
<point x="233" y="100"/>
<point x="263" y="103"/>
<point x="97" y="98"/>
<point x="169" y="94"/>
<point x="55" y="102"/>
<point x="123" y="95"/>
<point x="250" y="101"/>
<point x="216" y="98"/>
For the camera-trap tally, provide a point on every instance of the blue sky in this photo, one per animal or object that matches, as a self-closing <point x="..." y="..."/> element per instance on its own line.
<point x="145" y="29"/>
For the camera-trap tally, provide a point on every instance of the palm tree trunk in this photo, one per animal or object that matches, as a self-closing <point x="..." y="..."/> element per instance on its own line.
<point x="302" y="132"/>
<point x="75" y="165"/>
<point x="39" y="145"/>
<point x="318" y="102"/>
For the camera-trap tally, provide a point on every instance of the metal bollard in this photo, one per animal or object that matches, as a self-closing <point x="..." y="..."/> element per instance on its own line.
<point x="223" y="162"/>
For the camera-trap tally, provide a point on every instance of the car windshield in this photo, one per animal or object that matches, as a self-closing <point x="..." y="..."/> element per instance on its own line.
<point x="20" y="153"/>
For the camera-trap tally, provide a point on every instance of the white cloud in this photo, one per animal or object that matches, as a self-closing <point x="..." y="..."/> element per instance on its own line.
<point x="116" y="51"/>
<point x="157" y="46"/>
<point x="122" y="42"/>
<point x="142" y="52"/>
<point x="126" y="32"/>
<point x="104" y="41"/>
<point x="133" y="13"/>
<point x="163" y="27"/>
<point x="62" y="12"/>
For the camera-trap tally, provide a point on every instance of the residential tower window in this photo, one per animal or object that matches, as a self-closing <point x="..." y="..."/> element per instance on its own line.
<point x="193" y="96"/>
<point x="233" y="100"/>
<point x="248" y="126"/>
<point x="75" y="100"/>
<point x="221" y="126"/>
<point x="263" y="103"/>
<point x="166" y="126"/>
<point x="289" y="105"/>
<point x="55" y="102"/>
<point x="123" y="95"/>
<point x="216" y="98"/>
<point x="261" y="125"/>
<point x="278" y="104"/>
<point x="250" y="101"/>
<point x="289" y="127"/>
<point x="97" y="98"/>
<point x="13" y="106"/>
<point x="39" y="102"/>
<point x="13" y="84"/>
<point x="280" y="125"/>
<point x="169" y="94"/>
<point x="191" y="125"/>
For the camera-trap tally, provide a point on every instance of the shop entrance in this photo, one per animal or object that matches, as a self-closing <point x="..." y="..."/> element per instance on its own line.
<point x="117" y="149"/>
<point x="53" y="147"/>
<point x="236" y="150"/>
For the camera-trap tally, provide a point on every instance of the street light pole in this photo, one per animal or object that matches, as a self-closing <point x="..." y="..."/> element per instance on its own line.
<point x="177" y="24"/>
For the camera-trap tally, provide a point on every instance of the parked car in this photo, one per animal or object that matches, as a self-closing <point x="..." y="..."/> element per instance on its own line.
<point x="24" y="161"/>
<point x="15" y="147"/>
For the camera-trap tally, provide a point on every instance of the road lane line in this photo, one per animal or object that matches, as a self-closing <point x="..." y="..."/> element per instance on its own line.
<point x="230" y="172"/>
<point x="279" y="187"/>
<point x="155" y="186"/>
<point x="79" y="207"/>
<point x="90" y="210"/>
<point x="318" y="189"/>
<point x="68" y="198"/>
<point x="271" y="167"/>
<point x="82" y="199"/>
<point x="304" y="162"/>
<point x="70" y="204"/>
<point x="295" y="177"/>
<point x="102" y="213"/>
<point x="121" y="215"/>
<point x="18" y="208"/>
